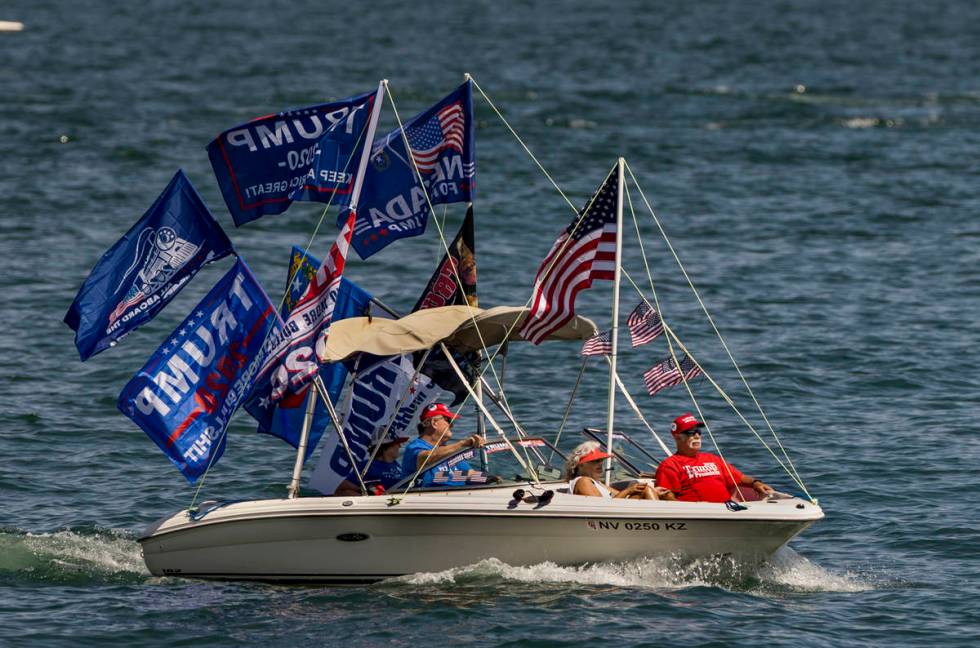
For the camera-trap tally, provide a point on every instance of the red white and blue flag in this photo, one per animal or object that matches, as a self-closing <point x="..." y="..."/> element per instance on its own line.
<point x="291" y="359"/>
<point x="585" y="251"/>
<point x="666" y="374"/>
<point x="598" y="344"/>
<point x="185" y="394"/>
<point x="395" y="200"/>
<point x="444" y="130"/>
<point x="644" y="324"/>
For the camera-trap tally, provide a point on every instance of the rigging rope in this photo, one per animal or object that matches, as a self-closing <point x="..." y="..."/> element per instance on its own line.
<point x="711" y="320"/>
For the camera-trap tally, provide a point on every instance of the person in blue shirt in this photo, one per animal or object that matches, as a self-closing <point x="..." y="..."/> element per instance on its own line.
<point x="383" y="473"/>
<point x="433" y="445"/>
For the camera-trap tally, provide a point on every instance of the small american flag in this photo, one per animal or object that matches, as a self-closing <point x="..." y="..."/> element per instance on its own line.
<point x="446" y="476"/>
<point x="666" y="374"/>
<point x="598" y="344"/>
<point x="644" y="324"/>
<point x="585" y="251"/>
<point x="445" y="129"/>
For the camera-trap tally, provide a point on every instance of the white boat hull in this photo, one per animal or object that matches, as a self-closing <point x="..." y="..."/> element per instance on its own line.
<point x="364" y="539"/>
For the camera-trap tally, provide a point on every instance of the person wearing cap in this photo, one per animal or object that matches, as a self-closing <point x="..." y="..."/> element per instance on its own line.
<point x="433" y="445"/>
<point x="383" y="473"/>
<point x="584" y="474"/>
<point x="694" y="476"/>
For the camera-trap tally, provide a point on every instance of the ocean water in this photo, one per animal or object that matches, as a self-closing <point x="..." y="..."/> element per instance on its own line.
<point x="814" y="164"/>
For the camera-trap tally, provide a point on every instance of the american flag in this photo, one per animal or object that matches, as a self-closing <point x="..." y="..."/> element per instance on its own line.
<point x="312" y="312"/>
<point x="445" y="476"/>
<point x="598" y="344"/>
<point x="443" y="130"/>
<point x="644" y="324"/>
<point x="586" y="250"/>
<point x="666" y="374"/>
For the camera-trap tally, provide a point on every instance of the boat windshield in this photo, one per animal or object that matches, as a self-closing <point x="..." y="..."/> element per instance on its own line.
<point x="492" y="465"/>
<point x="631" y="457"/>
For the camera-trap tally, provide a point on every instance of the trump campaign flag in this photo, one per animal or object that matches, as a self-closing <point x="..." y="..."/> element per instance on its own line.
<point x="285" y="418"/>
<point x="392" y="201"/>
<point x="383" y="395"/>
<point x="146" y="268"/>
<point x="290" y="353"/>
<point x="186" y="393"/>
<point x="308" y="153"/>
<point x="585" y="251"/>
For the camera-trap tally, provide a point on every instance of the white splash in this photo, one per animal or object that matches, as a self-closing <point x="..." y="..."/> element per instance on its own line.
<point x="792" y="571"/>
<point x="787" y="570"/>
<point x="108" y="551"/>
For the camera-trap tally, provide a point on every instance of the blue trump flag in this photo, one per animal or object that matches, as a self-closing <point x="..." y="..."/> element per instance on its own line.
<point x="186" y="393"/>
<point x="285" y="419"/>
<point x="303" y="154"/>
<point x="392" y="202"/>
<point x="146" y="268"/>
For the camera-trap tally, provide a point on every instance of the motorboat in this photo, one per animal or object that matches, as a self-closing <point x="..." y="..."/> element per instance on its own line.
<point x="517" y="506"/>
<point x="518" y="520"/>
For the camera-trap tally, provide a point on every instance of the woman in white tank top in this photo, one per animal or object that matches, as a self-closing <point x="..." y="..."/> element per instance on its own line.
<point x="584" y="474"/>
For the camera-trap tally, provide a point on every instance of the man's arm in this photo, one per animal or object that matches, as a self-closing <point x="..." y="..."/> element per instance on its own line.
<point x="347" y="488"/>
<point x="429" y="458"/>
<point x="757" y="485"/>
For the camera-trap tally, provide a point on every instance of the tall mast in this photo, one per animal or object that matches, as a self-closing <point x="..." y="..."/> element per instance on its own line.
<point x="611" y="414"/>
<point x="293" y="488"/>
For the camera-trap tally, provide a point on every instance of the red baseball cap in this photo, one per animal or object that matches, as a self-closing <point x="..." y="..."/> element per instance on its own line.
<point x="594" y="455"/>
<point x="436" y="409"/>
<point x="685" y="422"/>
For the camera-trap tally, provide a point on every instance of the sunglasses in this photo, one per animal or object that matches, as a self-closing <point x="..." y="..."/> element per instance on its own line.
<point x="692" y="432"/>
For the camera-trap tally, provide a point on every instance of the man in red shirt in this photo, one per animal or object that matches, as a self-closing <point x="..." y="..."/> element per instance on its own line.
<point x="694" y="476"/>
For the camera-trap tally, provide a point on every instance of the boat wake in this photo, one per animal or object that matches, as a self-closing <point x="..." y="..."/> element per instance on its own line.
<point x="785" y="573"/>
<point x="70" y="556"/>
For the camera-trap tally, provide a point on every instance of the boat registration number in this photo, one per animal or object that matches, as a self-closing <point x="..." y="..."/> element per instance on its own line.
<point x="603" y="525"/>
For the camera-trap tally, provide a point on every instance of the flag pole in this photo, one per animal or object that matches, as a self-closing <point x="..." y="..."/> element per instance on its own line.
<point x="611" y="414"/>
<point x="304" y="436"/>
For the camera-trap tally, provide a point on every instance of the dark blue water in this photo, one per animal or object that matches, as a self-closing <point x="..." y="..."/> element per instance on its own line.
<point x="815" y="166"/>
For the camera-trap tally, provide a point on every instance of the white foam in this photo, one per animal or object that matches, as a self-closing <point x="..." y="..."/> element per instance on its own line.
<point x="789" y="569"/>
<point x="786" y="570"/>
<point x="109" y="551"/>
<point x="656" y="573"/>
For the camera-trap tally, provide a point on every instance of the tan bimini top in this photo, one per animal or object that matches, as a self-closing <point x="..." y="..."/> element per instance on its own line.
<point x="460" y="327"/>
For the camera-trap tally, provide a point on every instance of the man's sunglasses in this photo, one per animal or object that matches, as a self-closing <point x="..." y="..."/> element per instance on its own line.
<point x="692" y="432"/>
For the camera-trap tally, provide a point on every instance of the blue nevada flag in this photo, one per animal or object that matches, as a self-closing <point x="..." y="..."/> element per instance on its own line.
<point x="392" y="202"/>
<point x="302" y="154"/>
<point x="185" y="394"/>
<point x="285" y="419"/>
<point x="146" y="268"/>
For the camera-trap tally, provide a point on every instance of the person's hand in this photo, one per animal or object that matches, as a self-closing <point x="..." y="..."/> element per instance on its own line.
<point x="662" y="492"/>
<point x="476" y="441"/>
<point x="762" y="488"/>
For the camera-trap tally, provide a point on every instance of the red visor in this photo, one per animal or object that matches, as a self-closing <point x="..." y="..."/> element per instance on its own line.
<point x="595" y="455"/>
